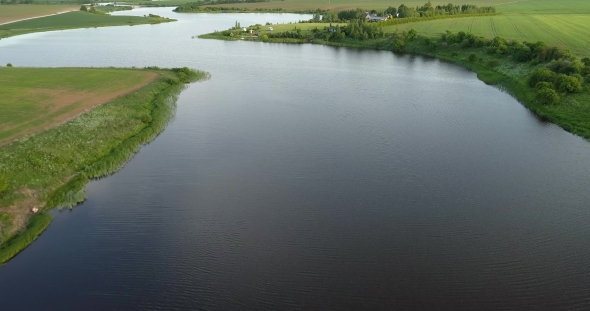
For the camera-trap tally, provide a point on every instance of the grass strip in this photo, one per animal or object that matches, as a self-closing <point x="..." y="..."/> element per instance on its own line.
<point x="37" y="224"/>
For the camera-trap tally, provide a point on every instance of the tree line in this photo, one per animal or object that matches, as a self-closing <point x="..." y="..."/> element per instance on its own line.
<point x="403" y="11"/>
<point x="559" y="72"/>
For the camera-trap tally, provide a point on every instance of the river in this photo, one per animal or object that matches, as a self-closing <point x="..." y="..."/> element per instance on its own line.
<point x="304" y="177"/>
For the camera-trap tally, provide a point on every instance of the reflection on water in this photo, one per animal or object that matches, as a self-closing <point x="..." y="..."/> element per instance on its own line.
<point x="311" y="177"/>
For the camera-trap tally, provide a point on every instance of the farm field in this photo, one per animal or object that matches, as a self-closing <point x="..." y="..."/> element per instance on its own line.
<point x="9" y="13"/>
<point x="73" y="20"/>
<point x="571" y="31"/>
<point x="34" y="100"/>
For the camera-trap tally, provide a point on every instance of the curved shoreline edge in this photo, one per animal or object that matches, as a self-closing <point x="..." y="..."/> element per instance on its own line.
<point x="569" y="119"/>
<point x="162" y="94"/>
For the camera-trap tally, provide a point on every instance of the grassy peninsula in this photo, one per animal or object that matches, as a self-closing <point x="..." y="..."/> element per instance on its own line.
<point x="73" y="20"/>
<point x="51" y="168"/>
<point x="551" y="81"/>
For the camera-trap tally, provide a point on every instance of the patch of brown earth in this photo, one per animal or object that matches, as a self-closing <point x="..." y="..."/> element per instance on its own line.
<point x="21" y="211"/>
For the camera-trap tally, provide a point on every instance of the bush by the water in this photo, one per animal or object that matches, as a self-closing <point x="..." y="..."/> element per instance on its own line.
<point x="3" y="183"/>
<point x="547" y="96"/>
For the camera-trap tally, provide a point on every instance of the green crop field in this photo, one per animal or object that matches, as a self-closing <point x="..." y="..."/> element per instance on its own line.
<point x="9" y="13"/>
<point x="564" y="24"/>
<point x="73" y="20"/>
<point x="565" y="31"/>
<point x="34" y="99"/>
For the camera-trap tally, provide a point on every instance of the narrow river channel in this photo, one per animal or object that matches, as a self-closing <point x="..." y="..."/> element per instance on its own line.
<point x="305" y="177"/>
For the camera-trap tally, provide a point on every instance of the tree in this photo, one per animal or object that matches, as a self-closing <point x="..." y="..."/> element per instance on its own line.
<point x="547" y="96"/>
<point x="567" y="84"/>
<point x="544" y="85"/>
<point x="84" y="8"/>
<point x="541" y="75"/>
<point x="412" y="34"/>
<point x="399" y="45"/>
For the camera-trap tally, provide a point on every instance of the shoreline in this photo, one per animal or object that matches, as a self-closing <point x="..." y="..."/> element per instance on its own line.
<point x="497" y="76"/>
<point x="161" y="97"/>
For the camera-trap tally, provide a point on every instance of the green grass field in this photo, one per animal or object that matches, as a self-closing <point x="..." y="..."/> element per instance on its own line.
<point x="73" y="20"/>
<point x="9" y="13"/>
<point x="33" y="100"/>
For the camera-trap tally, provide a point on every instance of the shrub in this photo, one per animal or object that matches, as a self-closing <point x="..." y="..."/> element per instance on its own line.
<point x="3" y="184"/>
<point x="146" y="118"/>
<point x="544" y="85"/>
<point x="399" y="45"/>
<point x="567" y="84"/>
<point x="472" y="57"/>
<point x="84" y="8"/>
<point x="587" y="78"/>
<point x="264" y="38"/>
<point x="493" y="63"/>
<point x="9" y="65"/>
<point x="541" y="75"/>
<point x="412" y="34"/>
<point x="586" y="61"/>
<point x="547" y="96"/>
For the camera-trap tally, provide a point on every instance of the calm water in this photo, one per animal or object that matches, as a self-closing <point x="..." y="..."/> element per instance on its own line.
<point x="313" y="178"/>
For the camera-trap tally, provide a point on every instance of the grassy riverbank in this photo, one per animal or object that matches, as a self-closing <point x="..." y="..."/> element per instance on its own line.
<point x="73" y="20"/>
<point x="50" y="169"/>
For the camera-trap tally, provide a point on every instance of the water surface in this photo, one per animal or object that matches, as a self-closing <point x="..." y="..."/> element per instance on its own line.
<point x="316" y="178"/>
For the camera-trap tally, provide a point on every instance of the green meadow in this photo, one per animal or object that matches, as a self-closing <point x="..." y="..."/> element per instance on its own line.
<point x="51" y="168"/>
<point x="74" y="20"/>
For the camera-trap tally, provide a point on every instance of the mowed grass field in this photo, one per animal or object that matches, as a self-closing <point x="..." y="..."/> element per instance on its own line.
<point x="9" y="13"/>
<point x="36" y="99"/>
